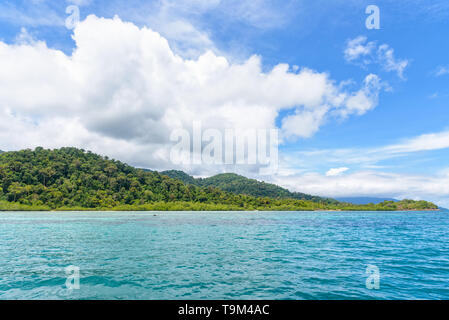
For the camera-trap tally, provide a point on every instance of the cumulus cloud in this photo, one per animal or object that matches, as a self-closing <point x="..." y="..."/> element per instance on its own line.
<point x="365" y="99"/>
<point x="368" y="52"/>
<point x="336" y="171"/>
<point x="123" y="90"/>
<point x="358" y="47"/>
<point x="307" y="120"/>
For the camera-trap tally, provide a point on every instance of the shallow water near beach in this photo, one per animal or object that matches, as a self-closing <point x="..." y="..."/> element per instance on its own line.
<point x="224" y="255"/>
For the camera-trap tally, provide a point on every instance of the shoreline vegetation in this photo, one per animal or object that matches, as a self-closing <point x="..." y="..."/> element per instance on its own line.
<point x="191" y="206"/>
<point x="70" y="179"/>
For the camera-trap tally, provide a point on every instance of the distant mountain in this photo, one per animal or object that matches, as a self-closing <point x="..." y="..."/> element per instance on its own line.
<point x="238" y="184"/>
<point x="364" y="200"/>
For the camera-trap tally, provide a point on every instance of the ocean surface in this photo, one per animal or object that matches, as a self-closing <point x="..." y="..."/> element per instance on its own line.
<point x="225" y="255"/>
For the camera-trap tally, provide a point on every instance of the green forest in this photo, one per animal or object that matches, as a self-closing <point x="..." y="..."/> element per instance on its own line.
<point x="75" y="179"/>
<point x="241" y="185"/>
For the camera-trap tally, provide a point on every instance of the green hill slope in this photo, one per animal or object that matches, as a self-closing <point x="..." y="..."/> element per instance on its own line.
<point x="238" y="184"/>
<point x="69" y="179"/>
<point x="182" y="176"/>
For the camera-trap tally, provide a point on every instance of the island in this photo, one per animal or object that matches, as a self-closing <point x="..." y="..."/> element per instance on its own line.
<point x="71" y="179"/>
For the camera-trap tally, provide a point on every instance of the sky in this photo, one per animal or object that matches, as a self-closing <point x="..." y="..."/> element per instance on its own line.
<point x="359" y="111"/>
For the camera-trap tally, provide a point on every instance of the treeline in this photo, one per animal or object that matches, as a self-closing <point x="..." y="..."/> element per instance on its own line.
<point x="238" y="184"/>
<point x="74" y="179"/>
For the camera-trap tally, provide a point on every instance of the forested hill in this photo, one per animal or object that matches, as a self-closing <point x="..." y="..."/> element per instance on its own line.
<point x="70" y="178"/>
<point x="238" y="184"/>
<point x="181" y="175"/>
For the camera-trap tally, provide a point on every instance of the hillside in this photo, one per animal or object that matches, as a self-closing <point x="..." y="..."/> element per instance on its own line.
<point x="182" y="176"/>
<point x="238" y="184"/>
<point x="70" y="178"/>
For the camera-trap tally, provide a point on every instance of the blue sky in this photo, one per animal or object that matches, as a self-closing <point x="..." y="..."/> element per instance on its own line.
<point x="409" y="114"/>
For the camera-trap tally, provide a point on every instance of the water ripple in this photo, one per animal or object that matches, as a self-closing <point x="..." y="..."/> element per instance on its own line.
<point x="224" y="255"/>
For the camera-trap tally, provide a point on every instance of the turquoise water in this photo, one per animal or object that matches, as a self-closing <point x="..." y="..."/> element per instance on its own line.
<point x="226" y="255"/>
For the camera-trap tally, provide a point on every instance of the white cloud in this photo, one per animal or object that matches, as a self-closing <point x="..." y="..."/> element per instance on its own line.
<point x="257" y="13"/>
<point x="365" y="181"/>
<point x="386" y="57"/>
<point x="425" y="142"/>
<point x="441" y="71"/>
<point x="24" y="37"/>
<point x="369" y="157"/>
<point x="33" y="14"/>
<point x="185" y="22"/>
<point x="123" y="90"/>
<point x="336" y="171"/>
<point x="365" y="99"/>
<point x="369" y="52"/>
<point x="176" y="21"/>
<point x="358" y="47"/>
<point x="306" y="121"/>
<point x="185" y="38"/>
<point x="369" y="183"/>
<point x="264" y="14"/>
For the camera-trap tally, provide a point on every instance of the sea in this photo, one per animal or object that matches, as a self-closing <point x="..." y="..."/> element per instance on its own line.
<point x="224" y="255"/>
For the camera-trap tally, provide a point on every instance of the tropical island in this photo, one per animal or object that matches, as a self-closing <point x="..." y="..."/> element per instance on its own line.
<point x="71" y="179"/>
